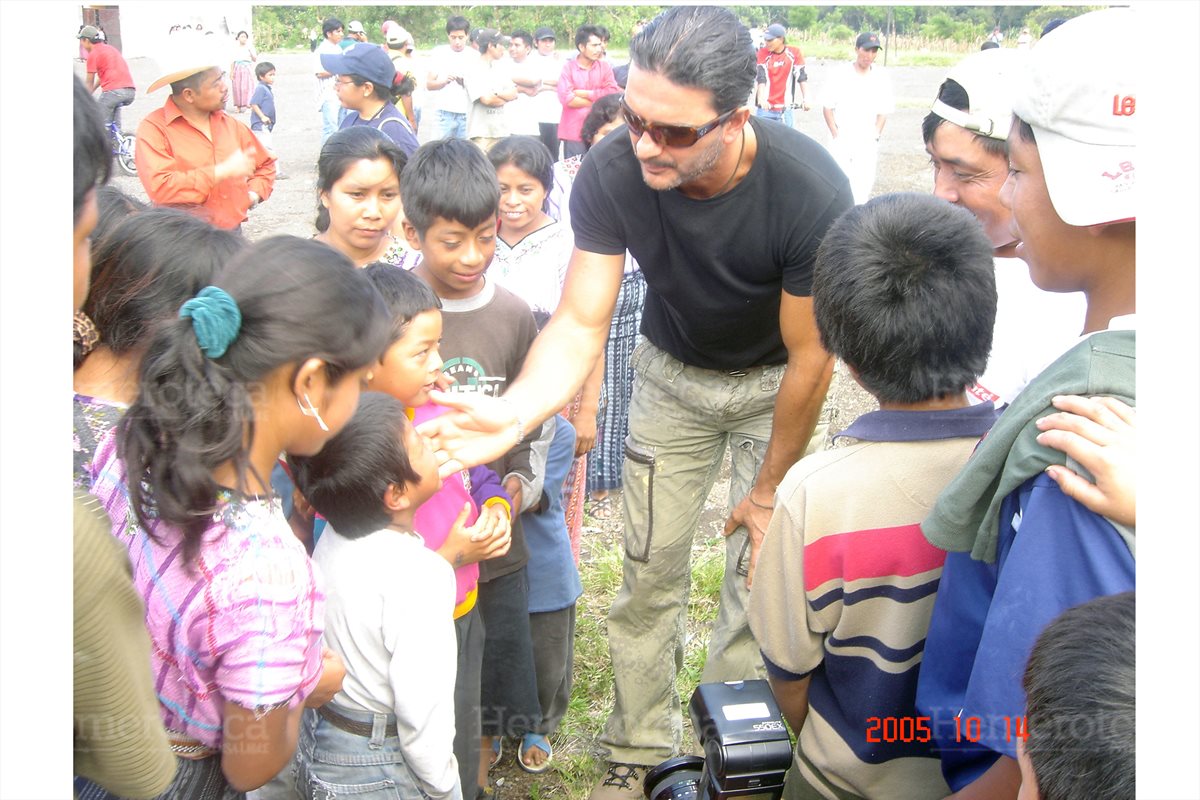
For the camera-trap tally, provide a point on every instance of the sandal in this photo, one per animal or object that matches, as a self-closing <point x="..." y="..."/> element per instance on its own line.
<point x="601" y="508"/>
<point x="497" y="750"/>
<point x="541" y="743"/>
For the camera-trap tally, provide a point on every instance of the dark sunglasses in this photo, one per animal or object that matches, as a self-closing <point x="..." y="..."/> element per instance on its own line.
<point x="670" y="135"/>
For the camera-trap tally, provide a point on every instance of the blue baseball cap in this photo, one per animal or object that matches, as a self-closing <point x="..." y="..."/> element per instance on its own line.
<point x="366" y="60"/>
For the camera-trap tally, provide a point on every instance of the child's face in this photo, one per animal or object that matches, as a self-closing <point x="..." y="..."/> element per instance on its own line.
<point x="454" y="257"/>
<point x="269" y="78"/>
<point x="424" y="463"/>
<point x="411" y="366"/>
<point x="521" y="198"/>
<point x="363" y="205"/>
<point x="1047" y="244"/>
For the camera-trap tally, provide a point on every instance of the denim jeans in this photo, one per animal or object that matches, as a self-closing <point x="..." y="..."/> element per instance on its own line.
<point x="330" y="118"/>
<point x="331" y="762"/>
<point x="681" y="422"/>
<point x="783" y="115"/>
<point x="452" y="125"/>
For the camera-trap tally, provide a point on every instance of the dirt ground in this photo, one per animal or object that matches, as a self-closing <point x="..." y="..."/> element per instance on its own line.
<point x="291" y="209"/>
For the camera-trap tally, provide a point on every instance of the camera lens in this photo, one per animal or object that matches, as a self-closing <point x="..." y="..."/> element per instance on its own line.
<point x="674" y="779"/>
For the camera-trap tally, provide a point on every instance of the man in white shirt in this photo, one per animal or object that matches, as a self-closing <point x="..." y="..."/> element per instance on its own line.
<point x="327" y="103"/>
<point x="448" y="63"/>
<point x="490" y="88"/>
<point x="526" y="74"/>
<point x="549" y="109"/>
<point x="857" y="102"/>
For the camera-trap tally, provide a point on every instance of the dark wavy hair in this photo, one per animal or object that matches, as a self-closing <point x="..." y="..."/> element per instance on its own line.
<point x="299" y="299"/>
<point x="526" y="153"/>
<point x="904" y="291"/>
<point x="602" y="112"/>
<point x="704" y="47"/>
<point x="148" y="266"/>
<point x="93" y="157"/>
<point x="342" y="150"/>
<point x="346" y="481"/>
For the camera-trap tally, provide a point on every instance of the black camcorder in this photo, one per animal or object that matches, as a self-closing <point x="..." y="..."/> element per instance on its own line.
<point x="746" y="747"/>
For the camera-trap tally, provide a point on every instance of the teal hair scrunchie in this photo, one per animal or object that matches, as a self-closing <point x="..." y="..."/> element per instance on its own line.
<point x="216" y="319"/>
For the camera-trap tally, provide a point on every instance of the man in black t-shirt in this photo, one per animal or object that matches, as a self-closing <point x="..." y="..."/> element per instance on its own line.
<point x="724" y="214"/>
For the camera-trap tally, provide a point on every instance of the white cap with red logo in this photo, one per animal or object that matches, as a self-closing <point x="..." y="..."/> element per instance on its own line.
<point x="1077" y="94"/>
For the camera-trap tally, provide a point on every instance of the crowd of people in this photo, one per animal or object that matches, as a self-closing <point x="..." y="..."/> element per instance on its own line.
<point x="330" y="491"/>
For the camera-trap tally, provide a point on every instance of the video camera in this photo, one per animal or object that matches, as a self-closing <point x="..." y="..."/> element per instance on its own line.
<point x="746" y="747"/>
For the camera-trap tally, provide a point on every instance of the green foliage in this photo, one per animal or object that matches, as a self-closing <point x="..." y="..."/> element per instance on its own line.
<point x="281" y="27"/>
<point x="840" y="32"/>
<point x="802" y="18"/>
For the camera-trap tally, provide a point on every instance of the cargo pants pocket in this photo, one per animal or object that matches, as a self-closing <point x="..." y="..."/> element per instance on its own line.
<point x="639" y="500"/>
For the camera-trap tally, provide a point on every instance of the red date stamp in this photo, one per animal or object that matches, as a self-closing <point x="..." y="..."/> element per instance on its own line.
<point x="918" y="729"/>
<point x="898" y="729"/>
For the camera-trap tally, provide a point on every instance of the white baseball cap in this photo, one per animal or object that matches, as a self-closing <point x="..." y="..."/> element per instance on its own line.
<point x="1078" y="96"/>
<point x="355" y="27"/>
<point x="987" y="77"/>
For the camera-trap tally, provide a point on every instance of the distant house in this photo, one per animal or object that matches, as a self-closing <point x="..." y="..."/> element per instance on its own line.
<point x="142" y="30"/>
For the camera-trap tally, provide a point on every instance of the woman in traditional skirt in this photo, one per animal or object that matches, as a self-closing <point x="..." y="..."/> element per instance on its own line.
<point x="241" y="73"/>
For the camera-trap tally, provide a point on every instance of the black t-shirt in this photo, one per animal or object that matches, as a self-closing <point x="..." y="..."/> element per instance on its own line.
<point x="715" y="268"/>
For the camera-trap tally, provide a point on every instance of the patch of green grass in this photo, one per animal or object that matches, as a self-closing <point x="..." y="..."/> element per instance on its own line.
<point x="576" y="762"/>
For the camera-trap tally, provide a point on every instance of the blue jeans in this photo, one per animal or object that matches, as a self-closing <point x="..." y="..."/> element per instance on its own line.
<point x="330" y="118"/>
<point x="783" y="115"/>
<point x="331" y="762"/>
<point x="452" y="125"/>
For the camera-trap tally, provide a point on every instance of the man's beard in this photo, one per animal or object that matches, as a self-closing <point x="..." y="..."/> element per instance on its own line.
<point x="705" y="161"/>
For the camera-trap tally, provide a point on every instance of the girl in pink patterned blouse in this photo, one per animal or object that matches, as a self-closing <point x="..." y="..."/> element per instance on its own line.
<point x="234" y="607"/>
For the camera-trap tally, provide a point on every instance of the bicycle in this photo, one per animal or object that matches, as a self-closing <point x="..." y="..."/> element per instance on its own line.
<point x="122" y="143"/>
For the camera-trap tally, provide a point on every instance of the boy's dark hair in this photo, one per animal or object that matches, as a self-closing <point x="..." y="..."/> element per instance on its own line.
<point x="330" y="25"/>
<point x="704" y="47"/>
<point x="528" y="154"/>
<point x="93" y="156"/>
<point x="1079" y="684"/>
<point x="152" y="264"/>
<point x="457" y="23"/>
<point x="194" y="413"/>
<point x="346" y="481"/>
<point x="904" y="291"/>
<point x="444" y="163"/>
<point x="345" y="148"/>
<point x="585" y="32"/>
<point x="524" y="36"/>
<point x="404" y="294"/>
<point x="262" y="68"/>
<point x="954" y="95"/>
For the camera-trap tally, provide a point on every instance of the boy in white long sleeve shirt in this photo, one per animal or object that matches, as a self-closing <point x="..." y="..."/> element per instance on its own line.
<point x="389" y="615"/>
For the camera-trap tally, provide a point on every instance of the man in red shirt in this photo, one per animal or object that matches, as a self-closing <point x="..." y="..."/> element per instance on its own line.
<point x="781" y="69"/>
<point x="190" y="153"/>
<point x="105" y="62"/>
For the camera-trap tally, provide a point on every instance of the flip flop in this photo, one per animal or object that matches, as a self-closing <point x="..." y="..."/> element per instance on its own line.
<point x="541" y="743"/>
<point x="497" y="750"/>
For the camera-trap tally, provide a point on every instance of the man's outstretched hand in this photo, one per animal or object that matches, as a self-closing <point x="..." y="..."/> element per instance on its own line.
<point x="478" y="431"/>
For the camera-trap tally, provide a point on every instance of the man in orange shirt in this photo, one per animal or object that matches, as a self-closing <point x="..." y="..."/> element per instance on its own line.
<point x="191" y="154"/>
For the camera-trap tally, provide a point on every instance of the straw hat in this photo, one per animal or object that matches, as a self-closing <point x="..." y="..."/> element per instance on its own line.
<point x="185" y="56"/>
